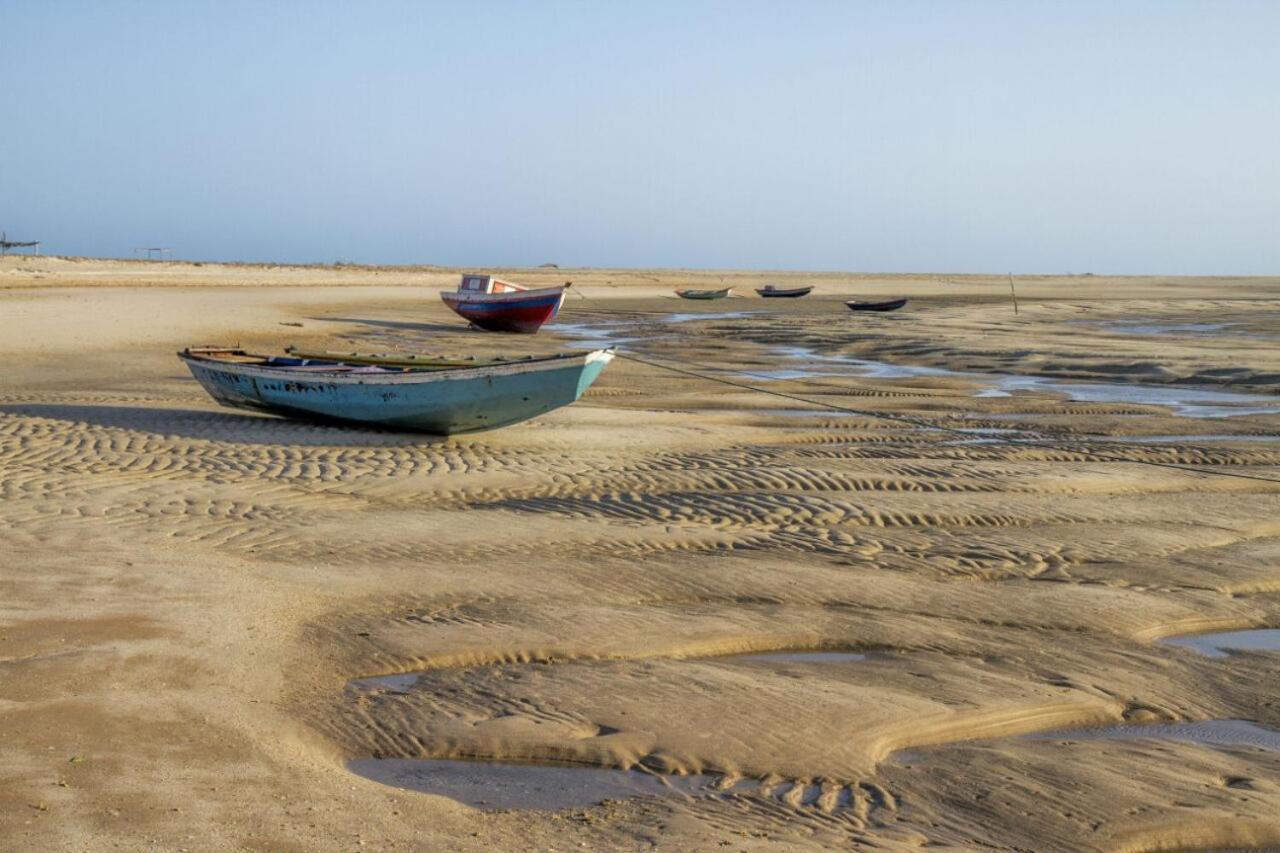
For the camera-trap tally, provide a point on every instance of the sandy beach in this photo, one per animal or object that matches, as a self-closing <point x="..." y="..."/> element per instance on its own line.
<point x="752" y="622"/>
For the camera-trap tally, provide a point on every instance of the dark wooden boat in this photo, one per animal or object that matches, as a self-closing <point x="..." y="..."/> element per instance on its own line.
<point x="769" y="291"/>
<point x="885" y="305"/>
<point x="704" y="294"/>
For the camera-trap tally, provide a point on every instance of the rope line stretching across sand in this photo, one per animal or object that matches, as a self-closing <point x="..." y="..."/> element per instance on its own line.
<point x="1039" y="437"/>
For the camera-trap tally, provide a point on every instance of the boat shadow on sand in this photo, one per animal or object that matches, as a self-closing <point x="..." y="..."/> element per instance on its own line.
<point x="398" y="325"/>
<point x="215" y="425"/>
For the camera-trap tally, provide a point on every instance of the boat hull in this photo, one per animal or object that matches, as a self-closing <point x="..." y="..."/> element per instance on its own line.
<point x="887" y="305"/>
<point x="523" y="313"/>
<point x="439" y="403"/>
<point x="704" y="294"/>
<point x="792" y="293"/>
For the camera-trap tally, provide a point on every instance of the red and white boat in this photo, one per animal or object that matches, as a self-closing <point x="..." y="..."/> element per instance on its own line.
<point x="501" y="306"/>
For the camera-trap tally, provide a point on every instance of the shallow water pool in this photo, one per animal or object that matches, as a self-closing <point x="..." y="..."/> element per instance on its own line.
<point x="1207" y="732"/>
<point x="1217" y="645"/>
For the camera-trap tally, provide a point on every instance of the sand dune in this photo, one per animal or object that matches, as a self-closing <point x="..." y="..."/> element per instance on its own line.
<point x="189" y="592"/>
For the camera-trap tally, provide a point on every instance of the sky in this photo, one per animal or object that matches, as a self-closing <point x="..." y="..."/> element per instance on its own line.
<point x="894" y="136"/>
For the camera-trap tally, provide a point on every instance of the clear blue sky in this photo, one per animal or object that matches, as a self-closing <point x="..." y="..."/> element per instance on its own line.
<point x="895" y="136"/>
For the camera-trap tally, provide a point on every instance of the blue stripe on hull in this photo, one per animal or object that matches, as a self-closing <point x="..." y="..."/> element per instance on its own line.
<point x="441" y="407"/>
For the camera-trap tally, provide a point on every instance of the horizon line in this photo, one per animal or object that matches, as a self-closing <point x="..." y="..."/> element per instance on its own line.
<point x="544" y="268"/>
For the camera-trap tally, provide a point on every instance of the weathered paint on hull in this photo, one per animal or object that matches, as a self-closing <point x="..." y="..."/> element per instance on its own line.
<point x="443" y="406"/>
<point x="521" y="315"/>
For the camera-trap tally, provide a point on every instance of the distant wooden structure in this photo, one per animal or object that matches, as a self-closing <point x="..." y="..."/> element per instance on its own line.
<point x="6" y="244"/>
<point x="153" y="252"/>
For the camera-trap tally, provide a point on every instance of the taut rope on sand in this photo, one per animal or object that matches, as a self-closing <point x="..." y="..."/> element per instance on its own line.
<point x="1039" y="437"/>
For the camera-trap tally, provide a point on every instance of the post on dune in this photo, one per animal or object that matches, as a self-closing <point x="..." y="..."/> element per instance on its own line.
<point x="6" y="245"/>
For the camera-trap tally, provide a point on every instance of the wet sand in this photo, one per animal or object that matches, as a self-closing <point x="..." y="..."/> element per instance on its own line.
<point x="795" y="628"/>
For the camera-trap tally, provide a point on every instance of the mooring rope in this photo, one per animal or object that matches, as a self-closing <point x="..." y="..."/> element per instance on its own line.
<point x="1039" y="436"/>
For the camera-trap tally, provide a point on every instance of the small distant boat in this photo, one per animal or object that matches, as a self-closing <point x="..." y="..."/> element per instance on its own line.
<point x="770" y="290"/>
<point x="502" y="306"/>
<point x="420" y="394"/>
<point x="886" y="305"/>
<point x="704" y="294"/>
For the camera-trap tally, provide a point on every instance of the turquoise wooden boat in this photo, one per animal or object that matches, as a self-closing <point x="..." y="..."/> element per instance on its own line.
<point x="440" y="397"/>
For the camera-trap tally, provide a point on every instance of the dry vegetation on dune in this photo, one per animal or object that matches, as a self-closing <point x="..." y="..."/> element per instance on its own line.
<point x="188" y="591"/>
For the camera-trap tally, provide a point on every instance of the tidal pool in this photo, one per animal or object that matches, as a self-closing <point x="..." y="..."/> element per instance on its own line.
<point x="1188" y="402"/>
<point x="1166" y="328"/>
<point x="399" y="681"/>
<point x="1207" y="732"/>
<point x="1190" y="439"/>
<point x="1219" y="644"/>
<point x="691" y="316"/>
<point x="595" y="333"/>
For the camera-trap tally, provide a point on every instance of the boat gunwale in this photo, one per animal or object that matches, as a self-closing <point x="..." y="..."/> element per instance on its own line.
<point x="408" y="376"/>
<point x="699" y="293"/>
<point x="516" y="296"/>
<point x="770" y="291"/>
